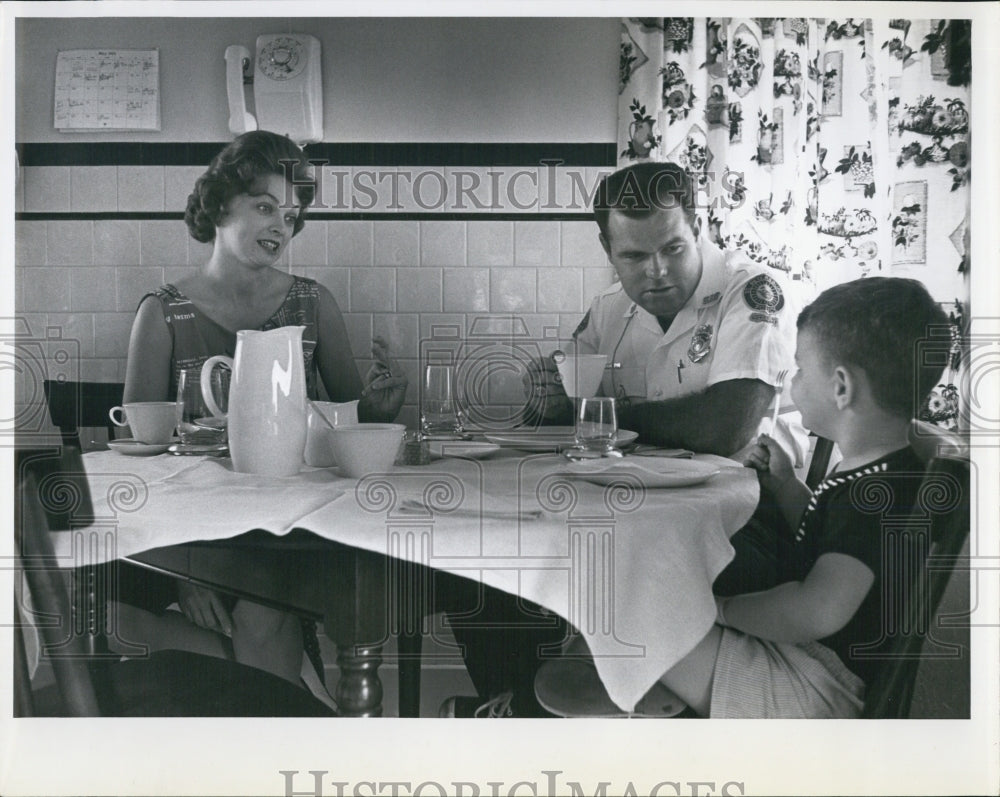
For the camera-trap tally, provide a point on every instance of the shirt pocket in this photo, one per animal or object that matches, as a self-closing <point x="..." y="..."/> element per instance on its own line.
<point x="629" y="382"/>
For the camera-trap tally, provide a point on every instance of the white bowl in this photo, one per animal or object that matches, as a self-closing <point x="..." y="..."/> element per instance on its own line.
<point x="363" y="448"/>
<point x="319" y="449"/>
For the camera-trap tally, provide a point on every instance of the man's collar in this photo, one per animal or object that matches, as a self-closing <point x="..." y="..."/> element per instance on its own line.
<point x="713" y="275"/>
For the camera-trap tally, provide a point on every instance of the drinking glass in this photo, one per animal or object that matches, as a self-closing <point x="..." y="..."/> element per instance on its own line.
<point x="195" y="424"/>
<point x="439" y="413"/>
<point x="596" y="424"/>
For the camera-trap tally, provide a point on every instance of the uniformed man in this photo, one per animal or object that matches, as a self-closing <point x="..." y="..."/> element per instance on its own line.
<point x="695" y="337"/>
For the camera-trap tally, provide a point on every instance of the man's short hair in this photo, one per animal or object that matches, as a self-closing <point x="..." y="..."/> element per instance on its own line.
<point x="642" y="188"/>
<point x="886" y="327"/>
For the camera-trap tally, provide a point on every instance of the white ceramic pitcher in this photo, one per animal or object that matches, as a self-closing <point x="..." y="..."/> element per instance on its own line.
<point x="267" y="400"/>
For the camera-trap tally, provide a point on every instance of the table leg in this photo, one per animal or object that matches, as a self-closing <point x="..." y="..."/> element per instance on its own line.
<point x="359" y="690"/>
<point x="357" y="618"/>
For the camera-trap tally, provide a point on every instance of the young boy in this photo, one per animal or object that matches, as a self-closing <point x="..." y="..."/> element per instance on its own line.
<point x="787" y="651"/>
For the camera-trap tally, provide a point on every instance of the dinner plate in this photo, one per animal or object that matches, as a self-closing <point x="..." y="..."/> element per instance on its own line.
<point x="649" y="472"/>
<point x="133" y="448"/>
<point x="550" y="438"/>
<point x="461" y="448"/>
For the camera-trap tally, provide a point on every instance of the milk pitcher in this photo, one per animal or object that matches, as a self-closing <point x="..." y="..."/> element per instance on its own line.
<point x="267" y="401"/>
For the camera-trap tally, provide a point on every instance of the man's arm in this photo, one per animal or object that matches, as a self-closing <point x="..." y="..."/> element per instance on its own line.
<point x="721" y="419"/>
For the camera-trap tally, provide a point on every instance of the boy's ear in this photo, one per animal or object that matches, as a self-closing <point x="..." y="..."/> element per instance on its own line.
<point x="844" y="387"/>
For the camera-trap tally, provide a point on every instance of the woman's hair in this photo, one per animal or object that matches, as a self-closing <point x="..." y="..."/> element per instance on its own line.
<point x="235" y="170"/>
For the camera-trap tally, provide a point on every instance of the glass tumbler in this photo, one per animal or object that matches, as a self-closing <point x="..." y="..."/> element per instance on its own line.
<point x="195" y="424"/>
<point x="596" y="424"/>
<point x="439" y="413"/>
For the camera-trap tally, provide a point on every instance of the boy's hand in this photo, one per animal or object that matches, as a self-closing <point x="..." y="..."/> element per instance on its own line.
<point x="773" y="465"/>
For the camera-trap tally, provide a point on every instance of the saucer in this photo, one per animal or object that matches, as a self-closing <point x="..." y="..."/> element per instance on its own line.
<point x="133" y="448"/>
<point x="199" y="450"/>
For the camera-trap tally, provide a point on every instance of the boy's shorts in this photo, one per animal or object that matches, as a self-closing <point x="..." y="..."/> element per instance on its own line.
<point x="758" y="679"/>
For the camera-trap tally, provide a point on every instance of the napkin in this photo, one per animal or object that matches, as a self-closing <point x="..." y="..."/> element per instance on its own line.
<point x="647" y="450"/>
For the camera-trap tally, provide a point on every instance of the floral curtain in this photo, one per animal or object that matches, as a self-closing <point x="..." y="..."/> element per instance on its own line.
<point x="830" y="149"/>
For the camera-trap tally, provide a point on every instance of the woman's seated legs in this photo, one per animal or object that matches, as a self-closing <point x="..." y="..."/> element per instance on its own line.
<point x="268" y="639"/>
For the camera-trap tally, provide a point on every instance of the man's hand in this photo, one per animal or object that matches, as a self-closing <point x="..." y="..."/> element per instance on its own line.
<point x="544" y="389"/>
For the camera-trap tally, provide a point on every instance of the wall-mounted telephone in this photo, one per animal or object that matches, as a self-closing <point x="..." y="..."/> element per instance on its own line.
<point x="287" y="87"/>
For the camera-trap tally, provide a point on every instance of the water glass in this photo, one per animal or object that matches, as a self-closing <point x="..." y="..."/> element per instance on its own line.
<point x="195" y="423"/>
<point x="439" y="413"/>
<point x="596" y="424"/>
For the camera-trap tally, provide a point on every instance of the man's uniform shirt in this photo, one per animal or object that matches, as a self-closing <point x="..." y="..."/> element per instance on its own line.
<point x="738" y="324"/>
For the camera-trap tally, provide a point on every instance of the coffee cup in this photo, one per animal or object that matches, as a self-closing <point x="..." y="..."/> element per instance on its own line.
<point x="151" y="422"/>
<point x="581" y="374"/>
<point x="319" y="448"/>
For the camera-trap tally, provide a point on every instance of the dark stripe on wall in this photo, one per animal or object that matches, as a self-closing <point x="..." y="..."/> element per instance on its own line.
<point x="318" y="216"/>
<point x="123" y="153"/>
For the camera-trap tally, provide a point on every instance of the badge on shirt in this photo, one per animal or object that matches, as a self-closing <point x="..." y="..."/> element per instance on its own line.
<point x="701" y="343"/>
<point x="763" y="295"/>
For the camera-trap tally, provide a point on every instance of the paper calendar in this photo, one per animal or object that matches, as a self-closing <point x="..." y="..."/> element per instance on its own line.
<point x="107" y="90"/>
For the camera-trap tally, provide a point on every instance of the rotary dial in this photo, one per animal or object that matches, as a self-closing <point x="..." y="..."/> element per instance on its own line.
<point x="281" y="58"/>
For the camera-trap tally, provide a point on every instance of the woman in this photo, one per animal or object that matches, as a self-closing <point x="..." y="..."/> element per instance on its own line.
<point x="249" y="203"/>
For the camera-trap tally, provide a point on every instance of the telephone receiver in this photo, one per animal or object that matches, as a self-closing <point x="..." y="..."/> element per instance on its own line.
<point x="286" y="74"/>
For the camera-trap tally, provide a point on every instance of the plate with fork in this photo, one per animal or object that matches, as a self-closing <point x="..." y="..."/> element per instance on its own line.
<point x="648" y="471"/>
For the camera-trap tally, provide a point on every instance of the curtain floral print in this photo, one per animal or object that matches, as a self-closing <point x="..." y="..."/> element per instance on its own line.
<point x="829" y="149"/>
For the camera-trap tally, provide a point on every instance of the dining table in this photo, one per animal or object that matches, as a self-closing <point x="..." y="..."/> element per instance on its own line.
<point x="627" y="561"/>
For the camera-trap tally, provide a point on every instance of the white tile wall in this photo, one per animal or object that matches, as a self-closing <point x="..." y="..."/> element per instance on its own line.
<point x="350" y="243"/>
<point x="93" y="188"/>
<point x="116" y="242"/>
<point x="46" y="188"/>
<point x="394" y="278"/>
<point x="69" y="243"/>
<point x="141" y="188"/>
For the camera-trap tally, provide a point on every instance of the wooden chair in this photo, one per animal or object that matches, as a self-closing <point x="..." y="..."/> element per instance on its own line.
<point x="52" y="498"/>
<point x="819" y="462"/>
<point x="942" y="516"/>
<point x="943" y="503"/>
<point x="74" y="405"/>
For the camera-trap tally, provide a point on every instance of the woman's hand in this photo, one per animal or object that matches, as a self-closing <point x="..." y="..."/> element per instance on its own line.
<point x="772" y="463"/>
<point x="204" y="608"/>
<point x="385" y="384"/>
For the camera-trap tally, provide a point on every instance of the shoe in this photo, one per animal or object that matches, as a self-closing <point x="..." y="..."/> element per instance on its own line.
<point x="461" y="707"/>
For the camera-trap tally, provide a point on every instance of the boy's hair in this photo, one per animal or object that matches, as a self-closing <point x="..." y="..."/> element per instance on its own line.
<point x="641" y="188"/>
<point x="235" y="170"/>
<point x="876" y="324"/>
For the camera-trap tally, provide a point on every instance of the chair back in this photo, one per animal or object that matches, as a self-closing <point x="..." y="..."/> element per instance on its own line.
<point x="819" y="462"/>
<point x="73" y="405"/>
<point x="943" y="502"/>
<point x="51" y="497"/>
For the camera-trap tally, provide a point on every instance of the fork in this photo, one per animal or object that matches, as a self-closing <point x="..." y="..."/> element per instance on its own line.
<point x="778" y="389"/>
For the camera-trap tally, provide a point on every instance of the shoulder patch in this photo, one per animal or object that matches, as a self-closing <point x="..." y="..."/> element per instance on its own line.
<point x="582" y="325"/>
<point x="763" y="294"/>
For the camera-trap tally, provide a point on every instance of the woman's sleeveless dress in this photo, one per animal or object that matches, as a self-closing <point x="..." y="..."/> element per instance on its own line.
<point x="195" y="338"/>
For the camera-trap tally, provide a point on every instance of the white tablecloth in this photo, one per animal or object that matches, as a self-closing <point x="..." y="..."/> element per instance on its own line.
<point x="630" y="568"/>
